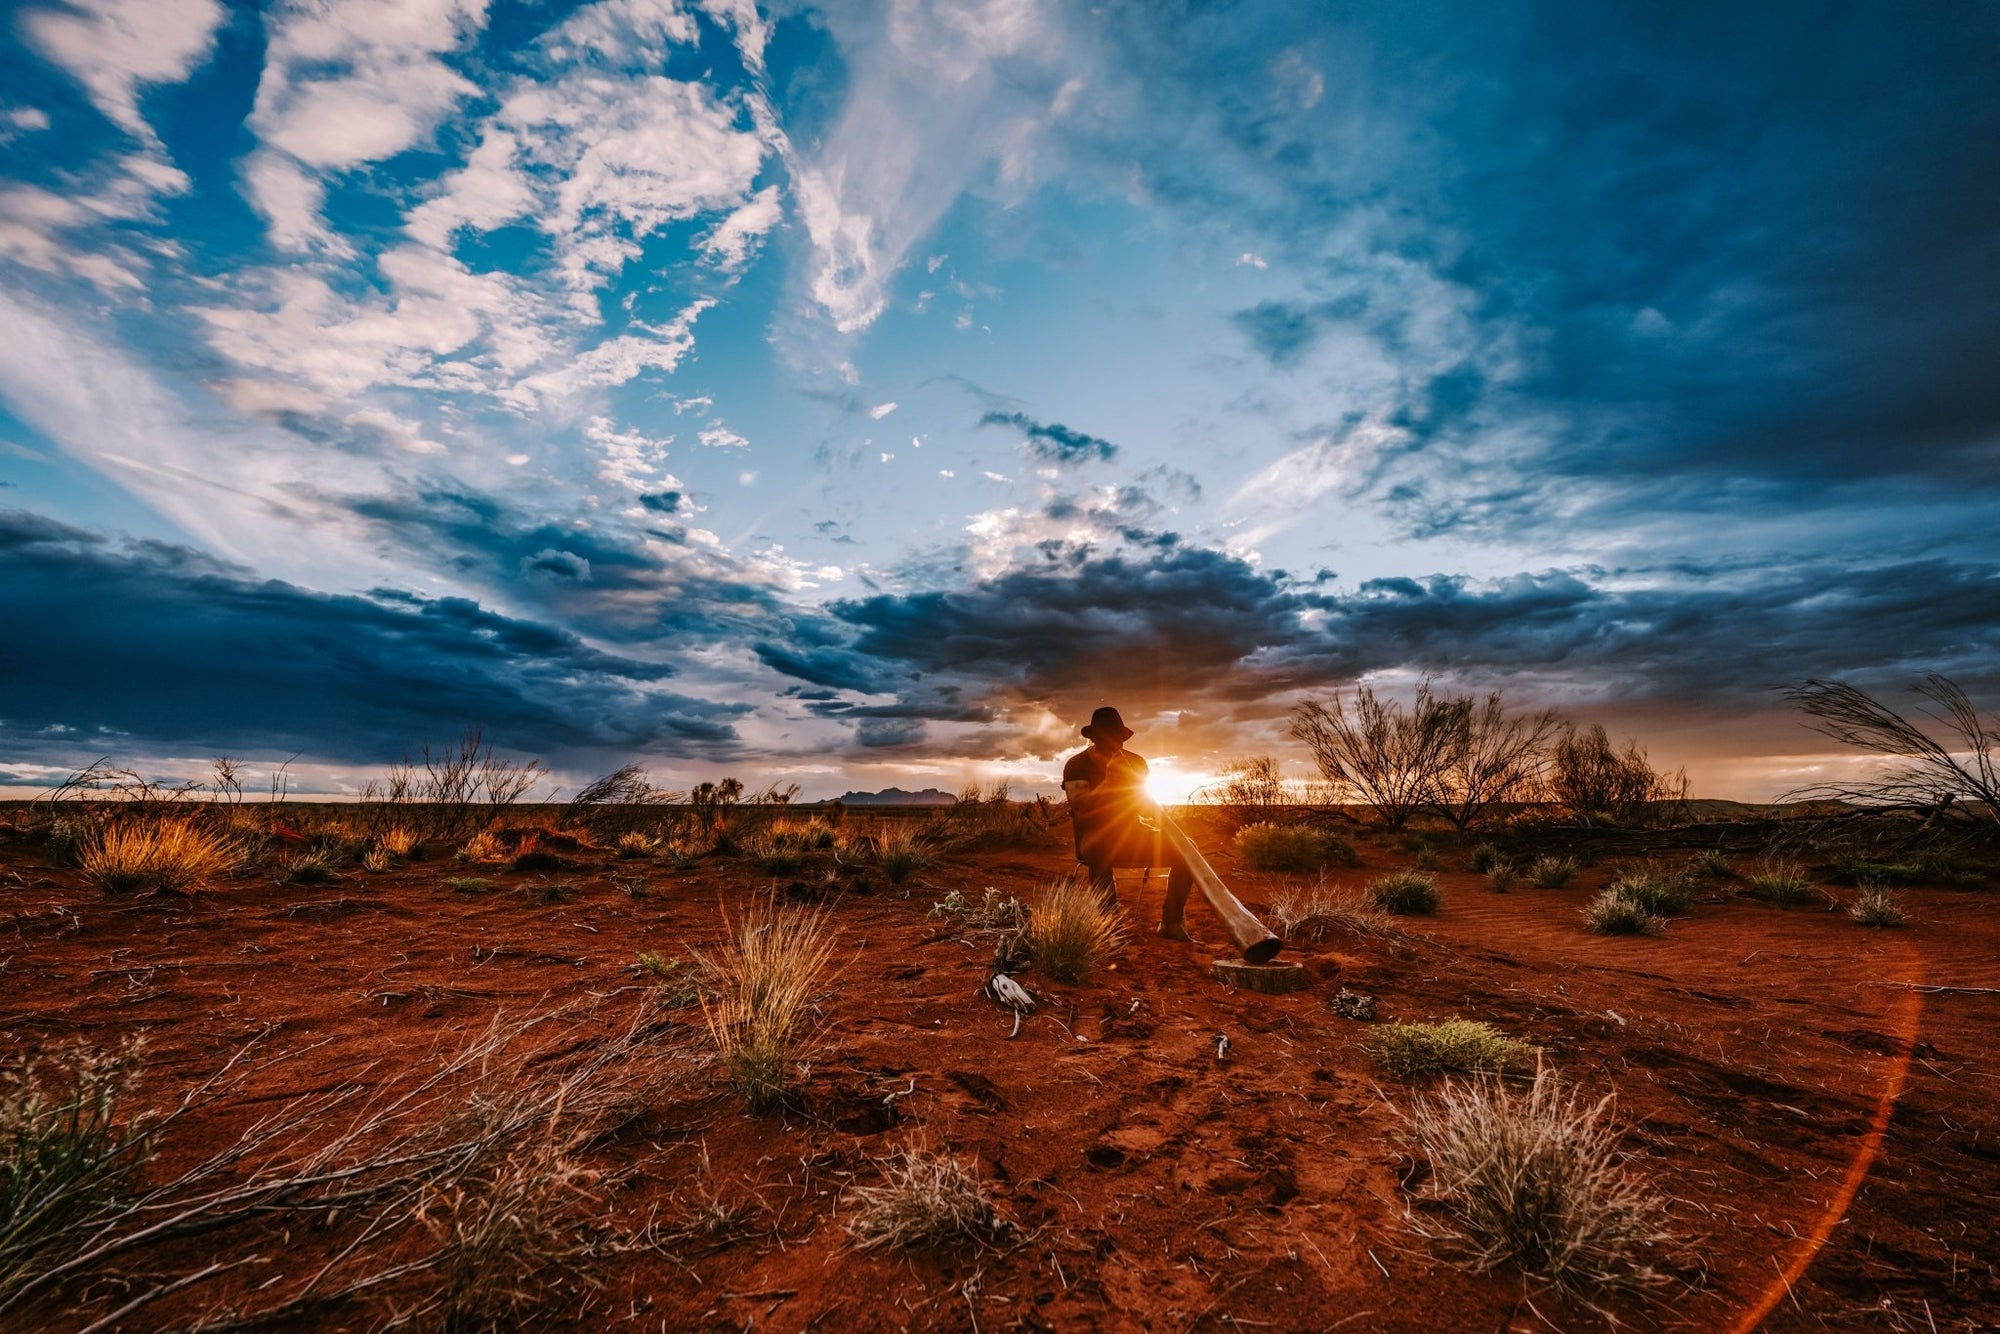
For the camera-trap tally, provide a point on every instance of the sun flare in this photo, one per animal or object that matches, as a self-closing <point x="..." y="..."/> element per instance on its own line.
<point x="1173" y="787"/>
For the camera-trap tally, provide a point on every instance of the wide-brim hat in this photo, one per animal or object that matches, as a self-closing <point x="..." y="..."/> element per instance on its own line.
<point x="1106" y="725"/>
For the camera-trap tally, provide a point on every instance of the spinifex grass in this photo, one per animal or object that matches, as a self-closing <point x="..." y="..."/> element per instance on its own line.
<point x="926" y="1199"/>
<point x="148" y="853"/>
<point x="1071" y="930"/>
<point x="1878" y="906"/>
<point x="1315" y="914"/>
<point x="1614" y="914"/>
<point x="1778" y="881"/>
<point x="1294" y="848"/>
<point x="902" y="853"/>
<point x="1533" y="1178"/>
<point x="1412" y="1051"/>
<point x="1552" y="872"/>
<point x="1404" y="893"/>
<point x="766" y="975"/>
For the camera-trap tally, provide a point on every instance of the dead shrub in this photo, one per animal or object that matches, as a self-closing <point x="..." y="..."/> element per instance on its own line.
<point x="153" y="854"/>
<point x="1314" y="914"/>
<point x="1878" y="906"/>
<point x="1071" y="930"/>
<point x="926" y="1199"/>
<point x="1533" y="1178"/>
<point x="765" y="978"/>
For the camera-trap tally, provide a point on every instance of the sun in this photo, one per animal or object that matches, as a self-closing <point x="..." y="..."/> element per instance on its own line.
<point x="1172" y="787"/>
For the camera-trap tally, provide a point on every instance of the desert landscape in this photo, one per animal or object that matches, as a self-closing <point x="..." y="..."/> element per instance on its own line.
<point x="506" y="1074"/>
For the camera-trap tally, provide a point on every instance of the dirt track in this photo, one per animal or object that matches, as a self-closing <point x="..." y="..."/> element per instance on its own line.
<point x="1829" y="1132"/>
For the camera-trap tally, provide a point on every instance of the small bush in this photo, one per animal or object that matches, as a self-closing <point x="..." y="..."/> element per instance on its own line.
<point x="167" y="856"/>
<point x="634" y="844"/>
<point x="1878" y="906"/>
<point x="63" y="1154"/>
<point x="1292" y="849"/>
<point x="1071" y="930"/>
<point x="901" y="853"/>
<point x="1483" y="857"/>
<point x="1613" y="914"/>
<point x="1656" y="891"/>
<point x="1781" y="882"/>
<point x="376" y="859"/>
<point x="765" y="978"/>
<point x="1500" y="877"/>
<point x="1534" y="1179"/>
<point x="398" y="841"/>
<point x="484" y="846"/>
<point x="1404" y="893"/>
<point x="467" y="884"/>
<point x="1311" y="915"/>
<point x="1412" y="1051"/>
<point x="633" y="887"/>
<point x="551" y="891"/>
<point x="679" y="985"/>
<point x="1552" y="872"/>
<point x="315" y="867"/>
<point x="926" y="1199"/>
<point x="991" y="913"/>
<point x="1710" y="864"/>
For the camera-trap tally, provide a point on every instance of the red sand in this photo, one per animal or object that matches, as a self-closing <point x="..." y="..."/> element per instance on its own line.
<point x="1831" y="1138"/>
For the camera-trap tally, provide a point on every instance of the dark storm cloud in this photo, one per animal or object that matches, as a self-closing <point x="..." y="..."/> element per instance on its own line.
<point x="664" y="502"/>
<point x="1171" y="622"/>
<point x="1052" y="442"/>
<point x="158" y="644"/>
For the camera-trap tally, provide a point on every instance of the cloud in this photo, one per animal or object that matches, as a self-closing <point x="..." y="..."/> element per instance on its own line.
<point x="168" y="648"/>
<point x="116" y="47"/>
<point x="1052" y="442"/>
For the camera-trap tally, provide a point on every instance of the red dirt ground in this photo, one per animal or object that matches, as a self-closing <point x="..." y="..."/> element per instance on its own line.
<point x="1830" y="1135"/>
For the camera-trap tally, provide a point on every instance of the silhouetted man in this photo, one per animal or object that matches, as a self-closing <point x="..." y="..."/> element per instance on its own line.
<point x="1106" y="787"/>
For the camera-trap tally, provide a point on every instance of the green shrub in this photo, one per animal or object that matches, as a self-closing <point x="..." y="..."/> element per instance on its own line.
<point x="1710" y="864"/>
<point x="1292" y="849"/>
<point x="1483" y="857"/>
<point x="1411" y="1051"/>
<point x="1655" y="890"/>
<point x="1500" y="877"/>
<point x="1614" y="914"/>
<point x="467" y="884"/>
<point x="1552" y="872"/>
<point x="1404" y="893"/>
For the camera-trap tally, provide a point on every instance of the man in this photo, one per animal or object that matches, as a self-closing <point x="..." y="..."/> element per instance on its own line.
<point x="1106" y="787"/>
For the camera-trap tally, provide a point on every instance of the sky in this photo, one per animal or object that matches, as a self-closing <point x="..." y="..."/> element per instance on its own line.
<point x="858" y="394"/>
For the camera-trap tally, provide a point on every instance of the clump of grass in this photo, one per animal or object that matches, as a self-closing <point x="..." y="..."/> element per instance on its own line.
<point x="634" y="844"/>
<point x="1483" y="857"/>
<point x="991" y="913"/>
<point x="484" y="846"/>
<point x="1778" y="881"/>
<point x="508" y="1229"/>
<point x="1657" y="891"/>
<point x="1710" y="864"/>
<point x="1071" y="930"/>
<point x="315" y="866"/>
<point x="679" y="985"/>
<point x="167" y="856"/>
<point x="398" y="841"/>
<point x="64" y="1156"/>
<point x="926" y="1199"/>
<point x="1500" y="877"/>
<point x="1450" y="1046"/>
<point x="69" y="835"/>
<point x="1533" y="1178"/>
<point x="376" y="859"/>
<point x="1404" y="893"/>
<point x="467" y="884"/>
<point x="1614" y="914"/>
<point x="1552" y="872"/>
<point x="765" y="977"/>
<point x="902" y="853"/>
<point x="1292" y="849"/>
<point x="1878" y="906"/>
<point x="1313" y="915"/>
<point x="633" y="887"/>
<point x="551" y="891"/>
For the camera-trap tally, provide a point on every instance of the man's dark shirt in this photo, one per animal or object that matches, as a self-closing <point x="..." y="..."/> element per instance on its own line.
<point x="1109" y="812"/>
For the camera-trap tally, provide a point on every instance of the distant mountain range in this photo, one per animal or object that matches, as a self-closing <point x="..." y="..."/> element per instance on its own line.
<point x="896" y="796"/>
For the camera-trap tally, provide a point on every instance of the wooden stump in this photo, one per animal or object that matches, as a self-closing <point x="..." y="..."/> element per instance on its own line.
<point x="1271" y="978"/>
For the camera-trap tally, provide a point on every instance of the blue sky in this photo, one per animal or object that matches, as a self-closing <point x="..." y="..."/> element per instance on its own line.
<point x="860" y="393"/>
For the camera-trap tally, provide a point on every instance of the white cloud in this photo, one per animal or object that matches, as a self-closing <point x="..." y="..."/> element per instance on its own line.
<point x="946" y="472"/>
<point x="623" y="31"/>
<point x="1280" y="495"/>
<point x="1255" y="261"/>
<point x="888" y="457"/>
<point x="746" y="479"/>
<point x="348" y="82"/>
<point x="614" y="361"/>
<point x="719" y="436"/>
<point x="752" y="32"/>
<point x="881" y="410"/>
<point x="734" y="241"/>
<point x="631" y="459"/>
<point x="32" y="221"/>
<point x="114" y="47"/>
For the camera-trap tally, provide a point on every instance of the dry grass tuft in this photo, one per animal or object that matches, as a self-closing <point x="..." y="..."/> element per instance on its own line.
<point x="1533" y="1178"/>
<point x="926" y="1199"/>
<point x="1404" y="893"/>
<point x="901" y="853"/>
<point x="484" y="846"/>
<point x="1614" y="914"/>
<point x="1313" y="915"/>
<point x="1552" y="872"/>
<point x="1500" y="877"/>
<point x="1450" y="1046"/>
<point x="1878" y="906"/>
<point x="765" y="978"/>
<point x="634" y="844"/>
<point x="168" y="856"/>
<point x="1775" y="880"/>
<point x="1071" y="930"/>
<point x="1655" y="889"/>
